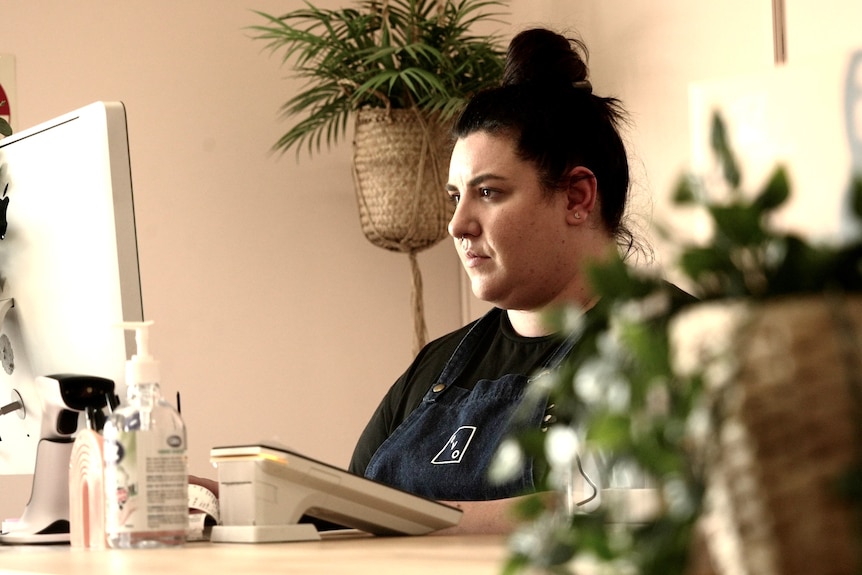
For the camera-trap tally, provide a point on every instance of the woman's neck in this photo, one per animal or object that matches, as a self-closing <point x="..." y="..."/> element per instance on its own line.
<point x="528" y="323"/>
<point x="534" y="323"/>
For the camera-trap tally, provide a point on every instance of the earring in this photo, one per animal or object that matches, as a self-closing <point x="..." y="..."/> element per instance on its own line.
<point x="577" y="215"/>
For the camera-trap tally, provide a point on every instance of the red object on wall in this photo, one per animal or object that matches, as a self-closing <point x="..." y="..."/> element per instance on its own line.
<point x="5" y="109"/>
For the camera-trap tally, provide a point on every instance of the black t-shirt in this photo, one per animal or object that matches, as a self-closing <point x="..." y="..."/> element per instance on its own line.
<point x="501" y="351"/>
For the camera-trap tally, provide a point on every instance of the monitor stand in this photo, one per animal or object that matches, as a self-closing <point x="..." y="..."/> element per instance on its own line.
<point x="46" y="516"/>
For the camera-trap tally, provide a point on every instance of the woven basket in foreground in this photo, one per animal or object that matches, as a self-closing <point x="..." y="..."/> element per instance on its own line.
<point x="788" y="434"/>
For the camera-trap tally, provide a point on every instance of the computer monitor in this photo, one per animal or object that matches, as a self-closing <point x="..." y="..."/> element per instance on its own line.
<point x="68" y="264"/>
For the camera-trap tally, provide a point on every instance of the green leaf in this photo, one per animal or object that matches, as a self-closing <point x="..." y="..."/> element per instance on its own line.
<point x="697" y="262"/>
<point x="609" y="277"/>
<point x="684" y="191"/>
<point x="650" y="347"/>
<point x="609" y="430"/>
<point x="724" y="153"/>
<point x="529" y="507"/>
<point x="5" y="128"/>
<point x="515" y="563"/>
<point x="776" y="192"/>
<point x="739" y="224"/>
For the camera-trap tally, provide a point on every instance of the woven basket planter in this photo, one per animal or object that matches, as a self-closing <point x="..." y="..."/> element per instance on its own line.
<point x="788" y="381"/>
<point x="400" y="168"/>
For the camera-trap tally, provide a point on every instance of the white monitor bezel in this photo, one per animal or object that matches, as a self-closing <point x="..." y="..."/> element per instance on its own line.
<point x="78" y="166"/>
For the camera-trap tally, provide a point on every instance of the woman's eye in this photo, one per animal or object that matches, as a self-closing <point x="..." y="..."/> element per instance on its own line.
<point x="485" y="193"/>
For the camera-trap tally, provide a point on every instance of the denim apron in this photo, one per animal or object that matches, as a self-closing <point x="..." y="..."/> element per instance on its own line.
<point x="443" y="449"/>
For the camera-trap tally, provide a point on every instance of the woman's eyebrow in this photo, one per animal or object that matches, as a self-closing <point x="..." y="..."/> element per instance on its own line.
<point x="480" y="179"/>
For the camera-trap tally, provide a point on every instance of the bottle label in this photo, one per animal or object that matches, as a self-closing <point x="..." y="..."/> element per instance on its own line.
<point x="146" y="482"/>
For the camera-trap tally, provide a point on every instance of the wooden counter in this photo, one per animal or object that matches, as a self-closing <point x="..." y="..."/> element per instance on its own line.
<point x="431" y="554"/>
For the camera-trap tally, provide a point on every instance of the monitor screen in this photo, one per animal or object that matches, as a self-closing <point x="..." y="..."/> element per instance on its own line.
<point x="68" y="263"/>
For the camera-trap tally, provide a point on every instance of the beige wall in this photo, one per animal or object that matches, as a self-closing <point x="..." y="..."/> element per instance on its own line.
<point x="275" y="317"/>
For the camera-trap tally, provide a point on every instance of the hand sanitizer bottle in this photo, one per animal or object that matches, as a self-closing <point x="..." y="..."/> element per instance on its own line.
<point x="146" y="467"/>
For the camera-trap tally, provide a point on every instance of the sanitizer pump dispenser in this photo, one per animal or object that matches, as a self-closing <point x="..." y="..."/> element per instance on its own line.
<point x="145" y="509"/>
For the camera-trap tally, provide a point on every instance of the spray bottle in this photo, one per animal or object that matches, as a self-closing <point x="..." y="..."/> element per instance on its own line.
<point x="146" y="467"/>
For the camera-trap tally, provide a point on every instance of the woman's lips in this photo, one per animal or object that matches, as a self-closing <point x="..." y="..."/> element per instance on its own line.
<point x="473" y="259"/>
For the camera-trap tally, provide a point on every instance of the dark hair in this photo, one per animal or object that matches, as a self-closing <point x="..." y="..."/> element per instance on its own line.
<point x="546" y="104"/>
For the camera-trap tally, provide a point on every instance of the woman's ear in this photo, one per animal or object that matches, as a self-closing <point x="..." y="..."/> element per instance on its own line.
<point x="581" y="194"/>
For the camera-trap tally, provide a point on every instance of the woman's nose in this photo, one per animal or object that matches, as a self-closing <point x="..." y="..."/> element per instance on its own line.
<point x="462" y="223"/>
<point x="457" y="225"/>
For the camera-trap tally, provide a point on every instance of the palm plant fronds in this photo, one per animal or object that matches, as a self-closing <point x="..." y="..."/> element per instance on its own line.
<point x="390" y="54"/>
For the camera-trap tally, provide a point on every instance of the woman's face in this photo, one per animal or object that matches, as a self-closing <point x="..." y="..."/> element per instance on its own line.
<point x="512" y="238"/>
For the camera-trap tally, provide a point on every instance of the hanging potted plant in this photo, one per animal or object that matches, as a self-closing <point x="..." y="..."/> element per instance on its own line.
<point x="399" y="70"/>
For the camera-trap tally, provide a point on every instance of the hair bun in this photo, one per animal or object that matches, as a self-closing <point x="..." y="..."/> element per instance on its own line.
<point x="540" y="56"/>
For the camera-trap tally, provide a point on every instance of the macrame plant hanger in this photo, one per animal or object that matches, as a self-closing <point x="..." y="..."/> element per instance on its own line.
<point x="400" y="169"/>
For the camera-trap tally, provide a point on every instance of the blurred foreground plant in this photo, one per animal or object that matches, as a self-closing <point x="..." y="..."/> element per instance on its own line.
<point x="620" y="401"/>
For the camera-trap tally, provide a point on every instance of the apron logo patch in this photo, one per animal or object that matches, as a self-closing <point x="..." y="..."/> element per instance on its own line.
<point x="456" y="447"/>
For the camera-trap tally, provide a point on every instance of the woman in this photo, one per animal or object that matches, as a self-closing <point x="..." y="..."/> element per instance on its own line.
<point x="539" y="177"/>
